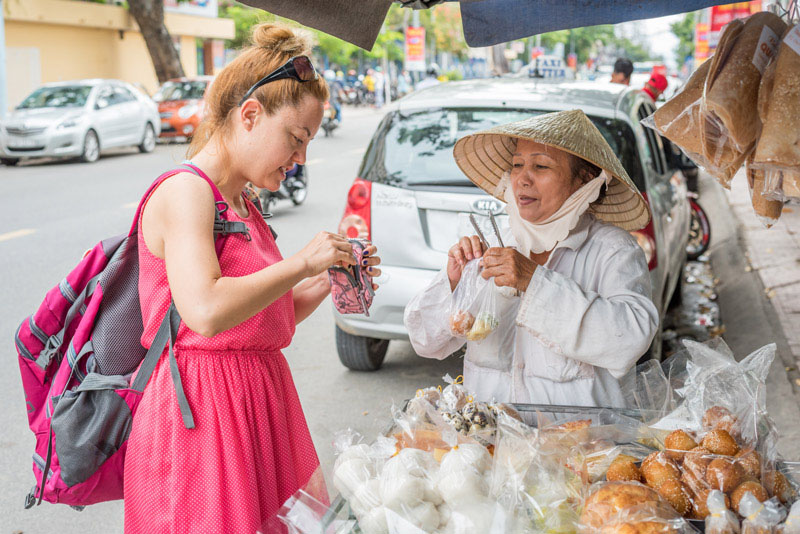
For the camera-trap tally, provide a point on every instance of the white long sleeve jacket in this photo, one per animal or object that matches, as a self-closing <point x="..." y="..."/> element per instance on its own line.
<point x="585" y="319"/>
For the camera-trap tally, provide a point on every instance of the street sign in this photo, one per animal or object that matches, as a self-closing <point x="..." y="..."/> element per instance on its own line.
<point x="551" y="67"/>
<point x="415" y="49"/>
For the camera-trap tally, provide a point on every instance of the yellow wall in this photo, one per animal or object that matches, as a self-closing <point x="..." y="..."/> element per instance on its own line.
<point x="75" y="40"/>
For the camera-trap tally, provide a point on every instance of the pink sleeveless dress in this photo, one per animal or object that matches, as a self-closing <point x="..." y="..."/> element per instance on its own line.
<point x="250" y="449"/>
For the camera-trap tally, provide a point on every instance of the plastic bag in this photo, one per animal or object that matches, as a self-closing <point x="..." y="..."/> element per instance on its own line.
<point x="766" y="209"/>
<point x="760" y="518"/>
<point x="616" y="507"/>
<point x="720" y="520"/>
<point x="473" y="310"/>
<point x="780" y="185"/>
<point x="792" y="523"/>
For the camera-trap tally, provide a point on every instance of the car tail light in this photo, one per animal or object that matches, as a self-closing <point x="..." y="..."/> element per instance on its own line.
<point x="356" y="219"/>
<point x="646" y="237"/>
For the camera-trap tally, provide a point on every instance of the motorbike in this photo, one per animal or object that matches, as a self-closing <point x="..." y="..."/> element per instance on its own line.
<point x="294" y="188"/>
<point x="329" y="120"/>
<point x="699" y="229"/>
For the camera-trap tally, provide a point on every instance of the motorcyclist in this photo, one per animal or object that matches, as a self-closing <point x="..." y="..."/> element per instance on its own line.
<point x="336" y="93"/>
<point x="431" y="77"/>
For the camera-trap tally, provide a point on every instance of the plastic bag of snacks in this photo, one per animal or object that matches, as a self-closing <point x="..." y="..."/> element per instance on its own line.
<point x="792" y="523"/>
<point x="768" y="209"/>
<point x="473" y="310"/>
<point x="761" y="517"/>
<point x="777" y="152"/>
<point x="720" y="520"/>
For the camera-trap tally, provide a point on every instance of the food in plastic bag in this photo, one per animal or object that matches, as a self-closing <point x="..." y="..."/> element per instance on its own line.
<point x="724" y="474"/>
<point x="719" y="441"/>
<point x="679" y="118"/>
<point x="778" y="145"/>
<point x="760" y="518"/>
<point x="767" y="208"/>
<point x="473" y="310"/>
<point x="729" y="108"/>
<point x="657" y="468"/>
<point x="748" y="487"/>
<point x="609" y="499"/>
<point x="792" y="523"/>
<point x="720" y="520"/>
<point x="624" y="469"/>
<point x="677" y="443"/>
<point x="778" y="486"/>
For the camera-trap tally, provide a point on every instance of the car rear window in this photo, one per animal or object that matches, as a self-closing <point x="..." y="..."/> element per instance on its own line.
<point x="416" y="149"/>
<point x="181" y="91"/>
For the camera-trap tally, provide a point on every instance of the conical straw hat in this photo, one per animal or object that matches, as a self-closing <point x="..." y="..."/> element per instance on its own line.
<point x="486" y="155"/>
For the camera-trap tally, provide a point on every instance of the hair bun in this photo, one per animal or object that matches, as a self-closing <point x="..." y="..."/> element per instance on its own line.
<point x="281" y="38"/>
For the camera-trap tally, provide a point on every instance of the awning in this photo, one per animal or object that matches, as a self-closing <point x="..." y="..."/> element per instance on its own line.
<point x="486" y="22"/>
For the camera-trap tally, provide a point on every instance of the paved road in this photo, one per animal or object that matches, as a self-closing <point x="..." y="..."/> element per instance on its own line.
<point x="52" y="212"/>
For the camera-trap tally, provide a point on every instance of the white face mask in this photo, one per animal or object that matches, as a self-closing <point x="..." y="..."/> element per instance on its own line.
<point x="543" y="236"/>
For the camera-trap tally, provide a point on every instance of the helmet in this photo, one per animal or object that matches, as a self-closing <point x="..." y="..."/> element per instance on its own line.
<point x="433" y="69"/>
<point x="329" y="75"/>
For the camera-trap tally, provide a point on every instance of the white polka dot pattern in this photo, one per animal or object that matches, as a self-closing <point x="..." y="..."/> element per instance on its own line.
<point x="251" y="448"/>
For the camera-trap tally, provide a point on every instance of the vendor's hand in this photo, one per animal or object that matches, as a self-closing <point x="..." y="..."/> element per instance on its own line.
<point x="370" y="262"/>
<point x="325" y="250"/>
<point x="508" y="267"/>
<point x="468" y="248"/>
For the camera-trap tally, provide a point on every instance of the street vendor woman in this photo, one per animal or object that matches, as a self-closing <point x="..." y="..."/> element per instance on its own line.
<point x="575" y="283"/>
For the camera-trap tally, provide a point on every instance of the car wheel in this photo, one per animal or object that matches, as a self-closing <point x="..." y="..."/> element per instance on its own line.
<point x="149" y="140"/>
<point x="91" y="147"/>
<point x="10" y="162"/>
<point x="360" y="353"/>
<point x="699" y="232"/>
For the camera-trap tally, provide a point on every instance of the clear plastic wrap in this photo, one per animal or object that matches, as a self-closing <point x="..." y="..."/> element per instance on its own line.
<point x="792" y="523"/>
<point x="720" y="520"/>
<point x="621" y="507"/>
<point x="473" y="310"/>
<point x="760" y="517"/>
<point x="768" y="210"/>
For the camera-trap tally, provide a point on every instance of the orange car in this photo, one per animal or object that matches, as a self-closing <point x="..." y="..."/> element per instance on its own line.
<point x="180" y="104"/>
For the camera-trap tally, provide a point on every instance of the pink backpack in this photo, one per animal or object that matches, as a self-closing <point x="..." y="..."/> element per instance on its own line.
<point x="77" y="354"/>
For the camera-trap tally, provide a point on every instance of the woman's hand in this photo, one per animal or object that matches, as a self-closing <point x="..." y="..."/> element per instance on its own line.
<point x="467" y="248"/>
<point x="508" y="267"/>
<point x="324" y="251"/>
<point x="370" y="262"/>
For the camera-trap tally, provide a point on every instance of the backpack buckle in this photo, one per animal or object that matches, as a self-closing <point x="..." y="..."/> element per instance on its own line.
<point x="30" y="498"/>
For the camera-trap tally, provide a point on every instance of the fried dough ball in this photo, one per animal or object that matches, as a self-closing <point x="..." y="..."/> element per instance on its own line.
<point x="700" y="503"/>
<point x="724" y="474"/>
<point x="778" y="486"/>
<point x="744" y="488"/>
<point x="720" y="442"/>
<point x="677" y="443"/>
<point x="612" y="497"/>
<point x="718" y="417"/>
<point x="640" y="527"/>
<point x="624" y="468"/>
<point x="693" y="482"/>
<point x="750" y="461"/>
<point x="461" y="322"/>
<point x="677" y="495"/>
<point x="657" y="468"/>
<point x="697" y="460"/>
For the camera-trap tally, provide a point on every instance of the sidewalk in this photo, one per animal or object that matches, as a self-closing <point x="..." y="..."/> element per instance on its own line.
<point x="759" y="291"/>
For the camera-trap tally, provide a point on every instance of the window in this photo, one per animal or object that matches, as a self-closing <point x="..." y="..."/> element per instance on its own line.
<point x="57" y="97"/>
<point x="653" y="141"/>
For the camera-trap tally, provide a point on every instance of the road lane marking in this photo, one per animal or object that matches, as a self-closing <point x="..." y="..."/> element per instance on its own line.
<point x="17" y="233"/>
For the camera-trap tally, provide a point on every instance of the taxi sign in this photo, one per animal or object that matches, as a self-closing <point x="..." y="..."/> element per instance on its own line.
<point x="548" y="67"/>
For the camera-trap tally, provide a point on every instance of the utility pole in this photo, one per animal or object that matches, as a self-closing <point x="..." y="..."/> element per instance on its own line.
<point x="3" y="77"/>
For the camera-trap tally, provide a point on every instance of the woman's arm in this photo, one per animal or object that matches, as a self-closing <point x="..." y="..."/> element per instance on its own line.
<point x="610" y="328"/>
<point x="208" y="302"/>
<point x="426" y="319"/>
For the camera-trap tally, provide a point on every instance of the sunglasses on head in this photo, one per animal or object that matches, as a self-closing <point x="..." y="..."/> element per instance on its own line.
<point x="297" y="68"/>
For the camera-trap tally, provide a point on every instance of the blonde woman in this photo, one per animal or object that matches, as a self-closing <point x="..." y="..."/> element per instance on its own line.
<point x="250" y="448"/>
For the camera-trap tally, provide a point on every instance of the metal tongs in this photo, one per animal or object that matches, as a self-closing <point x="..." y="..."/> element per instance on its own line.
<point x="480" y="233"/>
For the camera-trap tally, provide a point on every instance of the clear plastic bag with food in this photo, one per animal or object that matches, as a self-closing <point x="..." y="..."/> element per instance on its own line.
<point x="720" y="519"/>
<point x="473" y="310"/>
<point x="767" y="210"/>
<point x="760" y="517"/>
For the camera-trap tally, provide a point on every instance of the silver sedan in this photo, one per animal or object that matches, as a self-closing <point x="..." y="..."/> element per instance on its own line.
<point x="79" y="119"/>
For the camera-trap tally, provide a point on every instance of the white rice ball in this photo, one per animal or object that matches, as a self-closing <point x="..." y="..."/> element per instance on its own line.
<point x="356" y="451"/>
<point x="374" y="522"/>
<point x="467" y="456"/>
<point x="366" y="497"/>
<point x="404" y="490"/>
<point x="456" y="487"/>
<point x="351" y="474"/>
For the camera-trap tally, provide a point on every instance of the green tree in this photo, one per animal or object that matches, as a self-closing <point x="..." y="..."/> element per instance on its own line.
<point x="684" y="31"/>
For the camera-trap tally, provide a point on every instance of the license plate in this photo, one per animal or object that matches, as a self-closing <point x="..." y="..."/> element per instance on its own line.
<point x="23" y="142"/>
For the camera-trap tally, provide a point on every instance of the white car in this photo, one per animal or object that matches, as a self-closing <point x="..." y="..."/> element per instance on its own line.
<point x="79" y="119"/>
